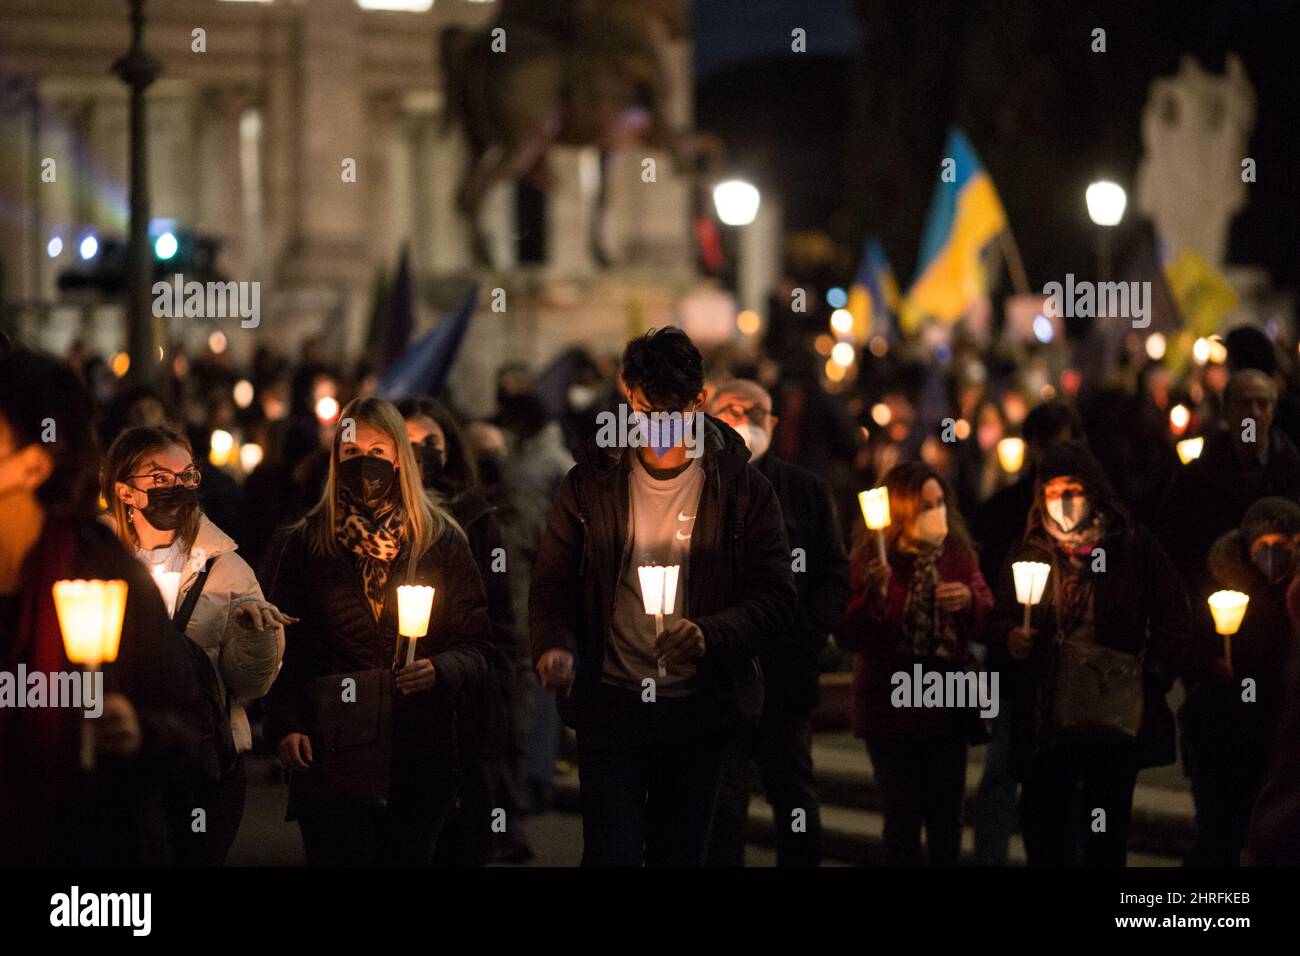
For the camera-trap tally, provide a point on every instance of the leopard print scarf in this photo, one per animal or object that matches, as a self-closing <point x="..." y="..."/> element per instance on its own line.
<point x="376" y="539"/>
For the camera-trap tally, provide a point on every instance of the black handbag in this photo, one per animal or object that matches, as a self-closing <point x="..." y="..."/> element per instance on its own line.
<point x="1098" y="691"/>
<point x="350" y="725"/>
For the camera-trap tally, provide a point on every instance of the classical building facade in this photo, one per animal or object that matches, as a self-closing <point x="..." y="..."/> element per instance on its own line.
<point x="309" y="137"/>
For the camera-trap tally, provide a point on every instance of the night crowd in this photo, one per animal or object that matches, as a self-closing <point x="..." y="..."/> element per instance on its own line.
<point x="292" y="502"/>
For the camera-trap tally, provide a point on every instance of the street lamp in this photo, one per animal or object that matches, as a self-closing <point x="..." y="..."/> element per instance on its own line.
<point x="1106" y="201"/>
<point x="736" y="202"/>
<point x="137" y="69"/>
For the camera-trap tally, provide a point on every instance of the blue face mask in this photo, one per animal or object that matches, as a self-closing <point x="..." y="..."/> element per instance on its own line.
<point x="664" y="433"/>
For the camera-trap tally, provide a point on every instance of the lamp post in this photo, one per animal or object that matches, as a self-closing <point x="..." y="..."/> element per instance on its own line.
<point x="1106" y="201"/>
<point x="137" y="69"/>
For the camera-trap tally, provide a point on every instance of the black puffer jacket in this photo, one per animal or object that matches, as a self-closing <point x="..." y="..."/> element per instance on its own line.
<point x="740" y="592"/>
<point x="337" y="634"/>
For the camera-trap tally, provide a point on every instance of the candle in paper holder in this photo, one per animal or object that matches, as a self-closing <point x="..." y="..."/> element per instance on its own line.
<point x="659" y="595"/>
<point x="1031" y="579"/>
<point x="414" y="608"/>
<point x="1011" y="454"/>
<point x="90" y="618"/>
<point x="1228" y="608"/>
<point x="169" y="586"/>
<point x="875" y="512"/>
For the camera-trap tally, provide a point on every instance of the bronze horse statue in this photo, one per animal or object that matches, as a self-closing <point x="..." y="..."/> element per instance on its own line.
<point x="572" y="72"/>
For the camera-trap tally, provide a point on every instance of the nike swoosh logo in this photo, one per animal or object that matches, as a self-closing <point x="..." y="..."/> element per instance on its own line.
<point x="685" y="517"/>
<point x="683" y="537"/>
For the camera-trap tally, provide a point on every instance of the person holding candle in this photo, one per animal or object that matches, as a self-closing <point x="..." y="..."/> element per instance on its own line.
<point x="1112" y="596"/>
<point x="54" y="813"/>
<point x="491" y="745"/>
<point x="1228" y="724"/>
<point x="781" y="746"/>
<point x="651" y="748"/>
<point x="150" y="481"/>
<point x="925" y="605"/>
<point x="338" y="571"/>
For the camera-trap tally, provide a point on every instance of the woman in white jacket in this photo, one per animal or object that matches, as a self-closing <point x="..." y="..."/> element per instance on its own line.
<point x="151" y="485"/>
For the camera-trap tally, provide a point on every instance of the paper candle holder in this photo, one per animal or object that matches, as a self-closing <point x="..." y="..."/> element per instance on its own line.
<point x="1189" y="449"/>
<point x="169" y="586"/>
<point x="414" y="608"/>
<point x="90" y="618"/>
<point x="1228" y="609"/>
<point x="1031" y="580"/>
<point x="875" y="507"/>
<point x="659" y="595"/>
<point x="1011" y="454"/>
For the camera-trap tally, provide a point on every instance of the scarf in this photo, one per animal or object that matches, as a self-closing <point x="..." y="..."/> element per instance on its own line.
<point x="927" y="632"/>
<point x="1074" y="585"/>
<point x="375" y="538"/>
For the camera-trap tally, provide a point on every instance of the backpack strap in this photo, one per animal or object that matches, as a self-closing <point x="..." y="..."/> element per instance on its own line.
<point x="183" y="613"/>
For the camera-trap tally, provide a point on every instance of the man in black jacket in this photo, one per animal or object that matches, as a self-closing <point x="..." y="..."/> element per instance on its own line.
<point x="655" y="708"/>
<point x="782" y="743"/>
<point x="1247" y="460"/>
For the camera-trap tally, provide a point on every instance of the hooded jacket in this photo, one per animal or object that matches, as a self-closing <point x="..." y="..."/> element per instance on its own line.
<point x="1139" y="607"/>
<point x="740" y="590"/>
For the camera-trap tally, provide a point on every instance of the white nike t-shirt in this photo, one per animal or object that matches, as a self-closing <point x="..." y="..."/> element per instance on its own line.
<point x="662" y="514"/>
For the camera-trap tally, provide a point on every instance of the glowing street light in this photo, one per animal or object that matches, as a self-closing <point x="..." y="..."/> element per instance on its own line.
<point x="736" y="202"/>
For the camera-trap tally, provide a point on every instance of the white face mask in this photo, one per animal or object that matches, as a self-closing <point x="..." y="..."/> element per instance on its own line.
<point x="932" y="525"/>
<point x="757" y="440"/>
<point x="1069" y="511"/>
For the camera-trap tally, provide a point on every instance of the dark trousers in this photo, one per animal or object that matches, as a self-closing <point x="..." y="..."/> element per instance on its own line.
<point x="649" y="775"/>
<point x="923" y="782"/>
<point x="1063" y="788"/>
<point x="222" y="804"/>
<point x="422" y="791"/>
<point x="781" y="746"/>
<point x="1224" y="787"/>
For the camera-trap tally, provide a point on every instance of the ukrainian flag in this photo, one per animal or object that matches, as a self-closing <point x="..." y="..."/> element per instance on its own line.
<point x="965" y="215"/>
<point x="874" y="300"/>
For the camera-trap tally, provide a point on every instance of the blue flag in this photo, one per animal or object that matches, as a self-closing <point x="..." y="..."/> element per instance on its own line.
<point x="423" y="369"/>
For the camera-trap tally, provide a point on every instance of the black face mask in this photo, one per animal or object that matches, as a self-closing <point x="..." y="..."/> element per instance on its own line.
<point x="366" y="478"/>
<point x="433" y="464"/>
<point x="169" y="508"/>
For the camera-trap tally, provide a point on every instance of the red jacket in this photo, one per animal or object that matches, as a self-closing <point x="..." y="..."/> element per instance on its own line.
<point x="875" y="633"/>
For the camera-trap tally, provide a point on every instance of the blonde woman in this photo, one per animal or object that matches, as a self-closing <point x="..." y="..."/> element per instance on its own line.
<point x="151" y="484"/>
<point x="373" y="755"/>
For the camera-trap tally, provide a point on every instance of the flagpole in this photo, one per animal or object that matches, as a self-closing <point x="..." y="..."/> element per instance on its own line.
<point x="1011" y="254"/>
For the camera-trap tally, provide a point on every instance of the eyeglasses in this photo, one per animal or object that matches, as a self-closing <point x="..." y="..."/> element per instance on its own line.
<point x="754" y="413"/>
<point x="190" y="478"/>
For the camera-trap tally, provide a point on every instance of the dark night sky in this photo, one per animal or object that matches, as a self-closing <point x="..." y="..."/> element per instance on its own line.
<point x="850" y="133"/>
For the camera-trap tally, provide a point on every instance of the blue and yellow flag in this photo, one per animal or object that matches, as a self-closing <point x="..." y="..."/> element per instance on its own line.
<point x="874" y="299"/>
<point x="965" y="215"/>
